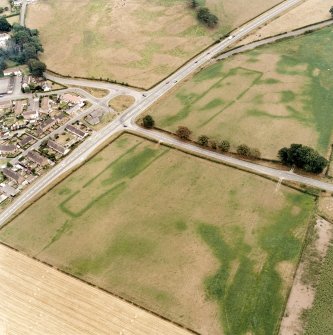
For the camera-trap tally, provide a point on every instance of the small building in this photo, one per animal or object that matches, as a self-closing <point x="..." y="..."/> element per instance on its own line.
<point x="78" y="132"/>
<point x="37" y="158"/>
<point x="46" y="87"/>
<point x="95" y="117"/>
<point x="71" y="98"/>
<point x="7" y="149"/>
<point x="57" y="147"/>
<point x="3" y="40"/>
<point x="8" y="190"/>
<point x="45" y="105"/>
<point x="25" y="141"/>
<point x="12" y="175"/>
<point x="13" y="71"/>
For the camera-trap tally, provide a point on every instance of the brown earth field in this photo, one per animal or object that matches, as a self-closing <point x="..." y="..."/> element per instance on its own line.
<point x="36" y="299"/>
<point x="189" y="239"/>
<point x="134" y="41"/>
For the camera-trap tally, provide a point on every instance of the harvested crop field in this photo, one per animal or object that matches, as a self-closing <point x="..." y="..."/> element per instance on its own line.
<point x="133" y="41"/>
<point x="207" y="246"/>
<point x="268" y="98"/>
<point x="36" y="299"/>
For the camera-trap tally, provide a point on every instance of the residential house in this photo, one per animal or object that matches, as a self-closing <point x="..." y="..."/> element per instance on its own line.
<point x="78" y="132"/>
<point x="7" y="149"/>
<point x="37" y="158"/>
<point x="46" y="87"/>
<point x="19" y="105"/>
<point x="25" y="141"/>
<point x="72" y="99"/>
<point x="95" y="117"/>
<point x="8" y="190"/>
<point x="12" y="175"/>
<point x="33" y="110"/>
<point x="47" y="124"/>
<point x="45" y="106"/>
<point x="13" y="71"/>
<point x="3" y="40"/>
<point x="57" y="147"/>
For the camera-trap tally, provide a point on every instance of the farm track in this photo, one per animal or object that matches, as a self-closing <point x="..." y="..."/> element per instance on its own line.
<point x="37" y="299"/>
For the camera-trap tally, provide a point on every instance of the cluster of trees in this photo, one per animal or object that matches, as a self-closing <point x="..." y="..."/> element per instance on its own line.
<point x="331" y="11"/>
<point x="204" y="15"/>
<point x="302" y="157"/>
<point x="23" y="47"/>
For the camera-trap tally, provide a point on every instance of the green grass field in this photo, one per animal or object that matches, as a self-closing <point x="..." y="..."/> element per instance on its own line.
<point x="268" y="98"/>
<point x="319" y="319"/>
<point x="129" y="41"/>
<point x="205" y="245"/>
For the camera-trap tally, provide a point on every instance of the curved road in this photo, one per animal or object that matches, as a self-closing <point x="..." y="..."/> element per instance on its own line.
<point x="146" y="100"/>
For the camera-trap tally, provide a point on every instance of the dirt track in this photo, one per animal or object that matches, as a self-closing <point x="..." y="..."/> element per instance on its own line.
<point x="37" y="300"/>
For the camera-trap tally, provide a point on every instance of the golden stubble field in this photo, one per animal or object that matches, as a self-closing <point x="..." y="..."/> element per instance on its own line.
<point x="169" y="232"/>
<point x="38" y="300"/>
<point x="134" y="41"/>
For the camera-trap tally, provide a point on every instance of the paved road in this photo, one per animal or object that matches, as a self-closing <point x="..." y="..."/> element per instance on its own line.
<point x="244" y="165"/>
<point x="149" y="98"/>
<point x="22" y="12"/>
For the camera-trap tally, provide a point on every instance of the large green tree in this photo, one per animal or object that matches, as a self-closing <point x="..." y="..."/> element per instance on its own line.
<point x="36" y="67"/>
<point x="4" y="24"/>
<point x="206" y="17"/>
<point x="148" y="121"/>
<point x="303" y="157"/>
<point x="183" y="133"/>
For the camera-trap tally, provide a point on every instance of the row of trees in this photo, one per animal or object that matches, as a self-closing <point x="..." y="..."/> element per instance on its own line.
<point x="301" y="156"/>
<point x="204" y="15"/>
<point x="23" y="47"/>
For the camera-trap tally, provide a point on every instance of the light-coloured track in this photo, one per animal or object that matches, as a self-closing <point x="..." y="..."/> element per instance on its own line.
<point x="38" y="300"/>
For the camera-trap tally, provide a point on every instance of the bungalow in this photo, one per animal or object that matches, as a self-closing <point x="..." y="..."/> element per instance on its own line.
<point x="72" y="99"/>
<point x="94" y="117"/>
<point x="14" y="71"/>
<point x="57" y="147"/>
<point x="12" y="175"/>
<point x="7" y="149"/>
<point x="78" y="132"/>
<point x="37" y="158"/>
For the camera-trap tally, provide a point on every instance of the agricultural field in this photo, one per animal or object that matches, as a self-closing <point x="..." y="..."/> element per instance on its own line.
<point x="211" y="248"/>
<point x="268" y="98"/>
<point x="320" y="317"/>
<point x="36" y="299"/>
<point x="130" y="41"/>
